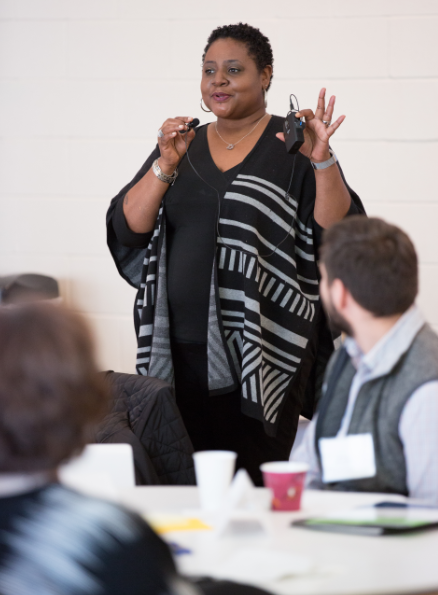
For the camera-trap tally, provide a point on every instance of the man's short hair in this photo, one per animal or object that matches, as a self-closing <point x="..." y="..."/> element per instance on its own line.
<point x="51" y="394"/>
<point x="376" y="261"/>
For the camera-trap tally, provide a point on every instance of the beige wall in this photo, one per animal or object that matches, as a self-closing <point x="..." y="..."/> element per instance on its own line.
<point x="85" y="84"/>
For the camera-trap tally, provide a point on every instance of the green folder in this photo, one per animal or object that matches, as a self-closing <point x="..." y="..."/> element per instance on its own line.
<point x="371" y="520"/>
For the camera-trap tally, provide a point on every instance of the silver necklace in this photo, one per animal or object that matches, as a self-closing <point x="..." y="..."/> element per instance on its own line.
<point x="231" y="146"/>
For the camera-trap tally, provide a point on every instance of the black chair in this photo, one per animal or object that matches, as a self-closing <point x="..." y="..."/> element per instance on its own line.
<point x="145" y="415"/>
<point x="28" y="287"/>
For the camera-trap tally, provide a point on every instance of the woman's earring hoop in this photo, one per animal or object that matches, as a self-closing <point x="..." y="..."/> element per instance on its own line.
<point x="205" y="110"/>
<point x="264" y="97"/>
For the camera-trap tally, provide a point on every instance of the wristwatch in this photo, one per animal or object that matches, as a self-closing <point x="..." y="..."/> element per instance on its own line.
<point x="162" y="176"/>
<point x="325" y="164"/>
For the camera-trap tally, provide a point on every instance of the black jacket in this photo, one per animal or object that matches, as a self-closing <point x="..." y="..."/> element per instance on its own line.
<point x="145" y="415"/>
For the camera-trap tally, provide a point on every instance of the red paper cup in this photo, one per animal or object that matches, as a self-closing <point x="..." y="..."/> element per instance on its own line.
<point x="286" y="481"/>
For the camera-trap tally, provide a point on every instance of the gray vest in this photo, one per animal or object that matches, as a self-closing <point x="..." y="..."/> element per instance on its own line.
<point x="377" y="410"/>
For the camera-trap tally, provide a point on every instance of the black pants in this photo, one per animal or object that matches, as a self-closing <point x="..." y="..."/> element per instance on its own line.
<point x="217" y="423"/>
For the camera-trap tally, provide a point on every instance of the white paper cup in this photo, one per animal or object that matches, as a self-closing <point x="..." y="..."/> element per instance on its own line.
<point x="214" y="471"/>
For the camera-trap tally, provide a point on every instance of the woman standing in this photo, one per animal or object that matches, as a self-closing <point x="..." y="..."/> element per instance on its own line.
<point x="225" y="256"/>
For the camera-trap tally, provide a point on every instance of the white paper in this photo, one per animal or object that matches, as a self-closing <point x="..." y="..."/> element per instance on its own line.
<point x="261" y="565"/>
<point x="348" y="457"/>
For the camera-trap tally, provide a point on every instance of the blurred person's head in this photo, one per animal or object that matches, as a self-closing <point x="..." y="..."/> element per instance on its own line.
<point x="368" y="266"/>
<point x="51" y="395"/>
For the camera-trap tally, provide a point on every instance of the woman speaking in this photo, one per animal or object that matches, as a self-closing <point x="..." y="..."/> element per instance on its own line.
<point x="219" y="231"/>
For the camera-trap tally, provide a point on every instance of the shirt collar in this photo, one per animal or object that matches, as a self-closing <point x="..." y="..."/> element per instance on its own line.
<point x="386" y="352"/>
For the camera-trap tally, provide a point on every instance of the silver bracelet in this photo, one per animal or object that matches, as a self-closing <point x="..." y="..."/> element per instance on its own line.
<point x="325" y="164"/>
<point x="162" y="176"/>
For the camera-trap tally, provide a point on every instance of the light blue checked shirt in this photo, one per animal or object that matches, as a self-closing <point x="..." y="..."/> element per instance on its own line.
<point x="418" y="426"/>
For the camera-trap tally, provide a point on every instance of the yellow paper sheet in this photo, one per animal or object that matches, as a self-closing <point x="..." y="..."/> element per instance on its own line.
<point x="166" y="523"/>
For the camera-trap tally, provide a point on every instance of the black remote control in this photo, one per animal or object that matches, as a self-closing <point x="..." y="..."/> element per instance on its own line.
<point x="293" y="129"/>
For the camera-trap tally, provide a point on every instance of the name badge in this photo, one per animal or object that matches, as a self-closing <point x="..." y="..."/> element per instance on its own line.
<point x="349" y="457"/>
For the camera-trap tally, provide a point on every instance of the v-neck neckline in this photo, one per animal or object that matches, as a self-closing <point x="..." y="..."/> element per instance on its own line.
<point x="223" y="173"/>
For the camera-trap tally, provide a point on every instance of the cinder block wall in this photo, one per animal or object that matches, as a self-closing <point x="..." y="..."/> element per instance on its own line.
<point x="85" y="85"/>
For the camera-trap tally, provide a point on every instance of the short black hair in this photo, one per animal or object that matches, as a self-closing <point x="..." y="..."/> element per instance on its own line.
<point x="258" y="45"/>
<point x="376" y="261"/>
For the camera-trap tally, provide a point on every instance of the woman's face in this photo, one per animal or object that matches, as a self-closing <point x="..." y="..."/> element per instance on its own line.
<point x="231" y="85"/>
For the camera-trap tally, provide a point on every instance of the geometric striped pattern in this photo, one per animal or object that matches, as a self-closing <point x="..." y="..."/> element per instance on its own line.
<point x="161" y="365"/>
<point x="268" y="301"/>
<point x="277" y="290"/>
<point x="154" y="355"/>
<point x="264" y="293"/>
<point x="219" y="368"/>
<point x="146" y="298"/>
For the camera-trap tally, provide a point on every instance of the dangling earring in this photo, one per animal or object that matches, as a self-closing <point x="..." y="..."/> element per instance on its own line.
<point x="264" y="97"/>
<point x="205" y="110"/>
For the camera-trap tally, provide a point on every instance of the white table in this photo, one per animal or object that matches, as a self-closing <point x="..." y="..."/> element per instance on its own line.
<point x="344" y="564"/>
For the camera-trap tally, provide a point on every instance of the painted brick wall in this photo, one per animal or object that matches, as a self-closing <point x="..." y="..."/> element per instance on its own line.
<point x="85" y="84"/>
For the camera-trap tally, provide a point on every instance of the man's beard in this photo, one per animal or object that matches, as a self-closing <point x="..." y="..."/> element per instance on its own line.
<point x="336" y="321"/>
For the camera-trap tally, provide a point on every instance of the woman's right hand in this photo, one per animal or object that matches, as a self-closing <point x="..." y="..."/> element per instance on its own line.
<point x="142" y="202"/>
<point x="173" y="144"/>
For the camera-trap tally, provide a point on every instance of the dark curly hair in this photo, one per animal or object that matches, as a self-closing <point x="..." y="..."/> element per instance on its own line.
<point x="258" y="45"/>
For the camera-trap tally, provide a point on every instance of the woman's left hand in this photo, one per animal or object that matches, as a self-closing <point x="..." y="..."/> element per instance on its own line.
<point x="317" y="134"/>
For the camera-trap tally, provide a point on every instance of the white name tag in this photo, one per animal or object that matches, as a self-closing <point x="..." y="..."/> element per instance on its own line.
<point x="349" y="457"/>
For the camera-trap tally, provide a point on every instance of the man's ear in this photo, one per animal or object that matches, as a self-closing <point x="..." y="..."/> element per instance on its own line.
<point x="339" y="295"/>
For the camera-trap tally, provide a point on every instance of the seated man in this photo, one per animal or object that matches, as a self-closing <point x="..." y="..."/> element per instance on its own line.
<point x="52" y="539"/>
<point x="376" y="428"/>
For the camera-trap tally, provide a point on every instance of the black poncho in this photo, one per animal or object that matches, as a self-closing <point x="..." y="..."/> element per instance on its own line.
<point x="264" y="296"/>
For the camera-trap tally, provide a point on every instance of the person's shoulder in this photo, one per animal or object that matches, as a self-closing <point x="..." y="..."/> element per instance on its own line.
<point x="87" y="515"/>
<point x="420" y="361"/>
<point x="201" y="128"/>
<point x="201" y="135"/>
<point x="90" y="536"/>
<point x="277" y="122"/>
<point x="426" y="341"/>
